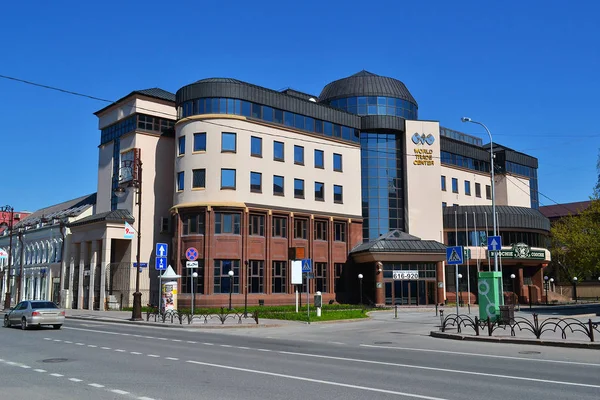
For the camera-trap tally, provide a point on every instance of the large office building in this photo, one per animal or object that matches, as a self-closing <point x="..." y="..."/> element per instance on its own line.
<point x="350" y="178"/>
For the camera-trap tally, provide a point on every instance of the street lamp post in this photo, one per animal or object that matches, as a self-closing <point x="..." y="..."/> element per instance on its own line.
<point x="136" y="173"/>
<point x="546" y="284"/>
<point x="512" y="278"/>
<point x="8" y="209"/>
<point x="460" y="291"/>
<point x="230" y="273"/>
<point x="360" y="278"/>
<point x="194" y="276"/>
<point x="246" y="263"/>
<point x="467" y="119"/>
<point x="575" y="289"/>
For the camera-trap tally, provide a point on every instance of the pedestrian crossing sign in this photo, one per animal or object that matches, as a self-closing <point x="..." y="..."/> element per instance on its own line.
<point x="454" y="255"/>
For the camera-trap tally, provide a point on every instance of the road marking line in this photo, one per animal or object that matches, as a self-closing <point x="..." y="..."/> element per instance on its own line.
<point x="79" y="344"/>
<point x="336" y="343"/>
<point x="57" y="375"/>
<point x="105" y="348"/>
<point x="11" y="363"/>
<point x="225" y="345"/>
<point x="298" y="378"/>
<point x="153" y="355"/>
<point x="145" y="398"/>
<point x="162" y="338"/>
<point x="244" y="347"/>
<point x="92" y="345"/>
<point x="120" y="350"/>
<point x="47" y="338"/>
<point x="25" y="366"/>
<point x="192" y="342"/>
<point x="40" y="370"/>
<point x="117" y="391"/>
<point x="263" y="350"/>
<point x="135" y="352"/>
<point x="75" y="380"/>
<point x="454" y="371"/>
<point x="208" y="344"/>
<point x="172" y="358"/>
<point x="57" y="340"/>
<point x="69" y="342"/>
<point x="176" y="340"/>
<point x="480" y="355"/>
<point x="96" y="385"/>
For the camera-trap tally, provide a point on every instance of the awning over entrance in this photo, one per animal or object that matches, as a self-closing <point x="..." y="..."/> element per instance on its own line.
<point x="399" y="246"/>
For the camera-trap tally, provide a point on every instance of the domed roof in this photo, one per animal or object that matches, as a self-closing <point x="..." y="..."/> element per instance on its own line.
<point x="218" y="80"/>
<point x="365" y="83"/>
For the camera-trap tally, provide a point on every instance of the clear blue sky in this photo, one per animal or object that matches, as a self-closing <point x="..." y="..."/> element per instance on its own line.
<point x="529" y="70"/>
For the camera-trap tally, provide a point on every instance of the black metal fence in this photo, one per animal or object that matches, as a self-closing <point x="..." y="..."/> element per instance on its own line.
<point x="171" y="316"/>
<point x="565" y="326"/>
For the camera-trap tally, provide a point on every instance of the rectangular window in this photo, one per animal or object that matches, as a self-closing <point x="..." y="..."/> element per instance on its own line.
<point x="192" y="224"/>
<point x="255" y="146"/>
<point x="256" y="111"/>
<point x="339" y="229"/>
<point x="278" y="185"/>
<point x="198" y="178"/>
<point x="319" y="159"/>
<point x="321" y="277"/>
<point x="200" y="141"/>
<point x="338" y="194"/>
<point x="228" y="142"/>
<point x="319" y="191"/>
<point x="488" y="192"/>
<point x="300" y="228"/>
<point x="278" y="151"/>
<point x="181" y="147"/>
<point x="278" y="116"/>
<point x="444" y="204"/>
<point x="338" y="277"/>
<point x="227" y="223"/>
<point x="256" y="276"/>
<point x="223" y="283"/>
<point x="279" y="277"/>
<point x="299" y="155"/>
<point x="256" y="182"/>
<point x="257" y="225"/>
<point x="186" y="279"/>
<point x="477" y="190"/>
<point x="180" y="181"/>
<point x="443" y="183"/>
<point x="320" y="230"/>
<point x="227" y="178"/>
<point x="280" y="227"/>
<point x="299" y="188"/>
<point x="454" y="185"/>
<point x="468" y="188"/>
<point x="337" y="162"/>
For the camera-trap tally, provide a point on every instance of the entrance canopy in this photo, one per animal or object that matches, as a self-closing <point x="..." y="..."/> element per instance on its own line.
<point x="398" y="246"/>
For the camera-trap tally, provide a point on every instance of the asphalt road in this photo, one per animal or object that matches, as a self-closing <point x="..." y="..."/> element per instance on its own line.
<point x="373" y="359"/>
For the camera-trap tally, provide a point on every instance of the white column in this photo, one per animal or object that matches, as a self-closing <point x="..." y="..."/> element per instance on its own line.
<point x="64" y="258"/>
<point x="38" y="285"/>
<point x="93" y="261"/>
<point x="72" y="255"/>
<point x="104" y="261"/>
<point x="82" y="260"/>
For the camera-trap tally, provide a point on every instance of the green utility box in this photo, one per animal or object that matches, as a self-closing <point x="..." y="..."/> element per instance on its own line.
<point x="490" y="295"/>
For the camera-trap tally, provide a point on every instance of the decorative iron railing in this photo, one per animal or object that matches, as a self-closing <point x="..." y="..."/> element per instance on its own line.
<point x="223" y="315"/>
<point x="565" y="326"/>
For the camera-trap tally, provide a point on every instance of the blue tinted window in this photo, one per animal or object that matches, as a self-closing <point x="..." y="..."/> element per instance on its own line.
<point x="256" y="111"/>
<point x="319" y="126"/>
<point x="181" y="145"/>
<point x="319" y="191"/>
<point x="228" y="142"/>
<point x="230" y="106"/>
<point x="299" y="155"/>
<point x="337" y="162"/>
<point x="467" y="188"/>
<point x="338" y="194"/>
<point x="208" y="106"/>
<point x="278" y="185"/>
<point x="246" y="108"/>
<point x="267" y="114"/>
<point x="347" y="133"/>
<point x="238" y="107"/>
<point x="256" y="146"/>
<point x="328" y="128"/>
<point x="278" y="151"/>
<point x="319" y="159"/>
<point x="201" y="106"/>
<point x="180" y="181"/>
<point x="199" y="142"/>
<point x="309" y="124"/>
<point x="372" y="110"/>
<point x="288" y="118"/>
<point x="227" y="178"/>
<point x="443" y="183"/>
<point x="222" y="106"/>
<point x="337" y="130"/>
<point x="299" y="121"/>
<point x="454" y="185"/>
<point x="299" y="188"/>
<point x="215" y="105"/>
<point x="278" y="116"/>
<point x="255" y="182"/>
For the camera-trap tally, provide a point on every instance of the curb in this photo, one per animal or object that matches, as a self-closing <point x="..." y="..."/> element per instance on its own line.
<point x="173" y="325"/>
<point x="538" y="342"/>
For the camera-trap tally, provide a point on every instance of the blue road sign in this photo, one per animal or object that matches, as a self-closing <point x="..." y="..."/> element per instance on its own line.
<point x="162" y="249"/>
<point x="494" y="243"/>
<point x="161" y="263"/>
<point x="454" y="255"/>
<point x="191" y="254"/>
<point x="142" y="265"/>
<point x="306" y="265"/>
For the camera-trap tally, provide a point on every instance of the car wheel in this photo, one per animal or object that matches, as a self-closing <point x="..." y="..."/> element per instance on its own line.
<point x="6" y="321"/>
<point x="24" y="325"/>
<point x="57" y="326"/>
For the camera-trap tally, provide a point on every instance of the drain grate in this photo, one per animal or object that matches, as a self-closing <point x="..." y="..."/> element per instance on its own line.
<point x="55" y="360"/>
<point x="530" y="352"/>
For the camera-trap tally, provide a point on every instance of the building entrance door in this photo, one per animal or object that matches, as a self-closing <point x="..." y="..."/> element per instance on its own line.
<point x="400" y="292"/>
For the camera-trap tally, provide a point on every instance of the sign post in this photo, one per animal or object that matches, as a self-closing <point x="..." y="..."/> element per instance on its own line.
<point x="162" y="250"/>
<point x="454" y="256"/>
<point x="307" y="269"/>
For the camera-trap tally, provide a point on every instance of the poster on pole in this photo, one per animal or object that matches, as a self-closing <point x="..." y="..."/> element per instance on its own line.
<point x="297" y="272"/>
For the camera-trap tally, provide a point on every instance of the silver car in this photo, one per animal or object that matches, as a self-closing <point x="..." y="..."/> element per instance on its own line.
<point x="35" y="313"/>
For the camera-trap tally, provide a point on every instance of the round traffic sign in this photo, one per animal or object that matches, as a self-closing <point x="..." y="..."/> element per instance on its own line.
<point x="191" y="254"/>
